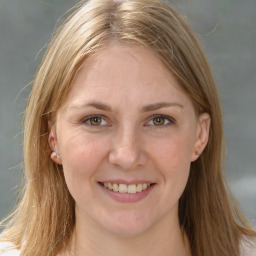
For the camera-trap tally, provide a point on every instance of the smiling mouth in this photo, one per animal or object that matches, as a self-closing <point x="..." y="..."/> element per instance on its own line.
<point x="124" y="188"/>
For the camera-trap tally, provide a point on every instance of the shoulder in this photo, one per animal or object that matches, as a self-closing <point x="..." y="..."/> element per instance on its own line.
<point x="5" y="250"/>
<point x="248" y="247"/>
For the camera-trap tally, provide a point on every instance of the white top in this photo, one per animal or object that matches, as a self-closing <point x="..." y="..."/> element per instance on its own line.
<point x="246" y="250"/>
<point x="3" y="246"/>
<point x="248" y="247"/>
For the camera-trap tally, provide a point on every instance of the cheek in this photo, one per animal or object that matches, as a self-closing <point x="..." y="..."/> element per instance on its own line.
<point x="172" y="159"/>
<point x="173" y="152"/>
<point x="81" y="157"/>
<point x="173" y="163"/>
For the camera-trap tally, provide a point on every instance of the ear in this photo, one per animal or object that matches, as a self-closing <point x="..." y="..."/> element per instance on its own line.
<point x="202" y="135"/>
<point x="53" y="143"/>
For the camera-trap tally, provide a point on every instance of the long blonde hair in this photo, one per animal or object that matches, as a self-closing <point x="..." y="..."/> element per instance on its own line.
<point x="44" y="219"/>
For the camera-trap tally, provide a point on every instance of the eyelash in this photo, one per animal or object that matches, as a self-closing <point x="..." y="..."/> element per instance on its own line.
<point x="169" y="119"/>
<point x="89" y="119"/>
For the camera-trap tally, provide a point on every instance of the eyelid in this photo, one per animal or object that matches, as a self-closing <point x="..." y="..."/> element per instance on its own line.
<point x="169" y="118"/>
<point x="87" y="118"/>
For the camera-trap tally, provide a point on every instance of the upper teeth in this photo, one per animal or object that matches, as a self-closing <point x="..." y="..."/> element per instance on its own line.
<point x="123" y="188"/>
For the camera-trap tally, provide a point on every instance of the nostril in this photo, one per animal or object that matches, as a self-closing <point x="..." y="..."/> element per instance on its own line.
<point x="126" y="157"/>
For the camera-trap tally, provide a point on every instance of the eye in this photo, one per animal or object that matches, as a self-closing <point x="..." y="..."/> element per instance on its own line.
<point x="161" y="120"/>
<point x="95" y="120"/>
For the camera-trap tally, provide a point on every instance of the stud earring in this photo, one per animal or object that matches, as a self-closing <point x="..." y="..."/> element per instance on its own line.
<point x="55" y="154"/>
<point x="197" y="153"/>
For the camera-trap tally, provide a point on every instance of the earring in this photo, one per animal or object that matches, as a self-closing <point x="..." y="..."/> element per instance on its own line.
<point x="197" y="153"/>
<point x="55" y="154"/>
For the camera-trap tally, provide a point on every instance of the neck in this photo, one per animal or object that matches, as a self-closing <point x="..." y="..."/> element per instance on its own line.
<point x="161" y="240"/>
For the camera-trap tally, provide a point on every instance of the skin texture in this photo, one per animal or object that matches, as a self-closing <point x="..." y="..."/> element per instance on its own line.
<point x="127" y="144"/>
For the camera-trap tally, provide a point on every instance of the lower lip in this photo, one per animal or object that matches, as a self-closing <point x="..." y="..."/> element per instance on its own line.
<point x="127" y="197"/>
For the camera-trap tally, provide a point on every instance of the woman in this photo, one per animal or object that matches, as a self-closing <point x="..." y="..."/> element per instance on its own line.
<point x="123" y="143"/>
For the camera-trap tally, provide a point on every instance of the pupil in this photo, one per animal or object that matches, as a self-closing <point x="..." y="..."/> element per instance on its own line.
<point x="96" y="120"/>
<point x="158" y="121"/>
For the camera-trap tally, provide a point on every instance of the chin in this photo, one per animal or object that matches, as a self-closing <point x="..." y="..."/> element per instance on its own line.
<point x="128" y="226"/>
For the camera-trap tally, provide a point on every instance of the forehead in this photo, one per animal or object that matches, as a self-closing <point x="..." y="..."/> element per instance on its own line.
<point x="122" y="72"/>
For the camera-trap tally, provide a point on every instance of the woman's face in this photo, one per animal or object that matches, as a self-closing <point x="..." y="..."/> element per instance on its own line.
<point x="126" y="138"/>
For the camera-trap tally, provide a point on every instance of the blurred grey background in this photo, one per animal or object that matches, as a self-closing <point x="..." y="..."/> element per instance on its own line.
<point x="227" y="31"/>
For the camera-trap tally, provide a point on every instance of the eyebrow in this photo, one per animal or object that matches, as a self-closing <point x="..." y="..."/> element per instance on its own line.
<point x="159" y="105"/>
<point x="148" y="108"/>
<point x="99" y="105"/>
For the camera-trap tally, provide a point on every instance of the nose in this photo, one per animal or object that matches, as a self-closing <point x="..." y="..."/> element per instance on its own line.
<point x="127" y="151"/>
